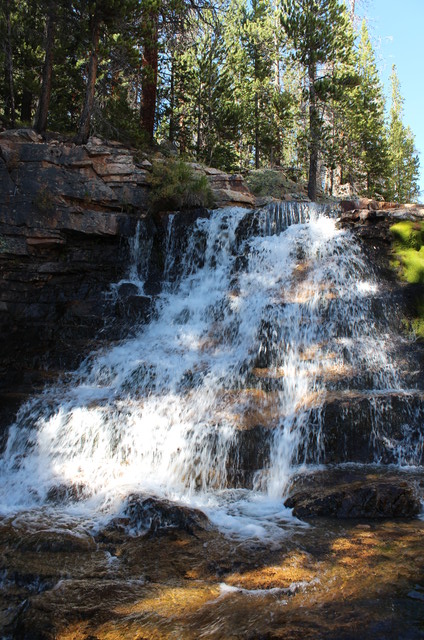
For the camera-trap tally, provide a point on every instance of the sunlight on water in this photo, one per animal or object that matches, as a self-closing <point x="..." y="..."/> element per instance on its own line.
<point x="277" y="314"/>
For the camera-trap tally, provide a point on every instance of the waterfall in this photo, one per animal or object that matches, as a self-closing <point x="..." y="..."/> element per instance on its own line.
<point x="140" y="247"/>
<point x="225" y="393"/>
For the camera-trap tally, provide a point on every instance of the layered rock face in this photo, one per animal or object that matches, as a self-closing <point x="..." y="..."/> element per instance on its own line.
<point x="67" y="213"/>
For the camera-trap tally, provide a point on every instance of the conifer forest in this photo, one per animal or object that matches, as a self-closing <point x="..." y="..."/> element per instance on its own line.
<point x="234" y="84"/>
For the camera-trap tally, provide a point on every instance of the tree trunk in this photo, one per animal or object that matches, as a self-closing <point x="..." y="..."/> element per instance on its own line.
<point x="40" y="124"/>
<point x="26" y="105"/>
<point x="150" y="75"/>
<point x="199" y="121"/>
<point x="276" y="148"/>
<point x="172" y="101"/>
<point x="314" y="135"/>
<point x="85" y="120"/>
<point x="10" y="100"/>
<point x="256" y="130"/>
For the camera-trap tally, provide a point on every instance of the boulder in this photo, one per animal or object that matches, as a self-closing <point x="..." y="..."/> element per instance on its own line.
<point x="348" y="205"/>
<point x="147" y="513"/>
<point x="367" y="215"/>
<point x="354" y="494"/>
<point x="368" y="203"/>
<point x="20" y="135"/>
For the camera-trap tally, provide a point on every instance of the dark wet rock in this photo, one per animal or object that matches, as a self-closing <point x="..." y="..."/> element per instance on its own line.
<point x="354" y="426"/>
<point x="127" y="289"/>
<point x="155" y="514"/>
<point x="365" y="427"/>
<point x="56" y="542"/>
<point x="248" y="454"/>
<point x="416" y="595"/>
<point x="248" y="226"/>
<point x="183" y="230"/>
<point x="349" y="218"/>
<point x="138" y="307"/>
<point x="65" y="493"/>
<point x="132" y="305"/>
<point x="354" y="494"/>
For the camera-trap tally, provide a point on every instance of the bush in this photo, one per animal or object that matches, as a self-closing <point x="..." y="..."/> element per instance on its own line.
<point x="175" y="186"/>
<point x="268" y="182"/>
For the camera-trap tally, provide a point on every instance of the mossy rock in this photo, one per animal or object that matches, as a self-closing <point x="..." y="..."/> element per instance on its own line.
<point x="408" y="249"/>
<point x="408" y="260"/>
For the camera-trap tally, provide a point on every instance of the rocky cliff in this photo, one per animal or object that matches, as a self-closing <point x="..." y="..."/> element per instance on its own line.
<point x="67" y="213"/>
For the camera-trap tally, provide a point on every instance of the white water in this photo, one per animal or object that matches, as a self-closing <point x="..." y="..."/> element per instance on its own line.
<point x="140" y="247"/>
<point x="233" y="346"/>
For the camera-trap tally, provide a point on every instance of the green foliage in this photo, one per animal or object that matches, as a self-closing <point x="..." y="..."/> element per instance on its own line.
<point x="265" y="182"/>
<point x="417" y="323"/>
<point x="321" y="37"/>
<point x="368" y="124"/>
<point x="175" y="186"/>
<point x="404" y="162"/>
<point x="408" y="250"/>
<point x="241" y="84"/>
<point x="408" y="260"/>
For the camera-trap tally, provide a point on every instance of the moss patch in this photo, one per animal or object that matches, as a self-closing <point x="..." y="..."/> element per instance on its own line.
<point x="408" y="250"/>
<point x="408" y="259"/>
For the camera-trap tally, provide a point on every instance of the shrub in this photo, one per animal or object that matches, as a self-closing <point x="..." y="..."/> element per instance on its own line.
<point x="175" y="186"/>
<point x="268" y="182"/>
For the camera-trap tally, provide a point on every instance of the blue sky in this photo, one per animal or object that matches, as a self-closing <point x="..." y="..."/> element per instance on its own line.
<point x="396" y="29"/>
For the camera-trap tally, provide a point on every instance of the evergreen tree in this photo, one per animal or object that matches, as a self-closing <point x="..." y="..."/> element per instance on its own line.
<point x="9" y="103"/>
<point x="404" y="160"/>
<point x="216" y="78"/>
<point x="40" y="123"/>
<point x="361" y="138"/>
<point x="318" y="30"/>
<point x="101" y="14"/>
<point x="370" y="124"/>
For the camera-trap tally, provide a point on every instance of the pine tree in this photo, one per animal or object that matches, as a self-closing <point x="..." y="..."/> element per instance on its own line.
<point x="363" y="121"/>
<point x="318" y="30"/>
<point x="101" y="13"/>
<point x="40" y="123"/>
<point x="9" y="107"/>
<point x="404" y="160"/>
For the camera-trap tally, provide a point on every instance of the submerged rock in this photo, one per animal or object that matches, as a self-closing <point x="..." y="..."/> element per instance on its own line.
<point x="65" y="493"/>
<point x="347" y="494"/>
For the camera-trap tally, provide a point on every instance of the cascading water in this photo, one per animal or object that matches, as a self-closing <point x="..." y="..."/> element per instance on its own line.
<point x="221" y="397"/>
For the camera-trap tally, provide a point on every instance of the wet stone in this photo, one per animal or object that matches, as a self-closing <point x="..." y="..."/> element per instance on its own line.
<point x="353" y="495"/>
<point x="127" y="289"/>
<point x="64" y="493"/>
<point x="152" y="514"/>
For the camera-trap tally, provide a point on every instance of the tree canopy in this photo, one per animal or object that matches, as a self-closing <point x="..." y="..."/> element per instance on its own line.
<point x="238" y="84"/>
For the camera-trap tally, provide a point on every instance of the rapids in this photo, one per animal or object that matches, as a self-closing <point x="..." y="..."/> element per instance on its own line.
<point x="265" y="316"/>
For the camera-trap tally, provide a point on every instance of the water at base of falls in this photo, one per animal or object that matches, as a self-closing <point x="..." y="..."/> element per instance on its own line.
<point x="219" y="400"/>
